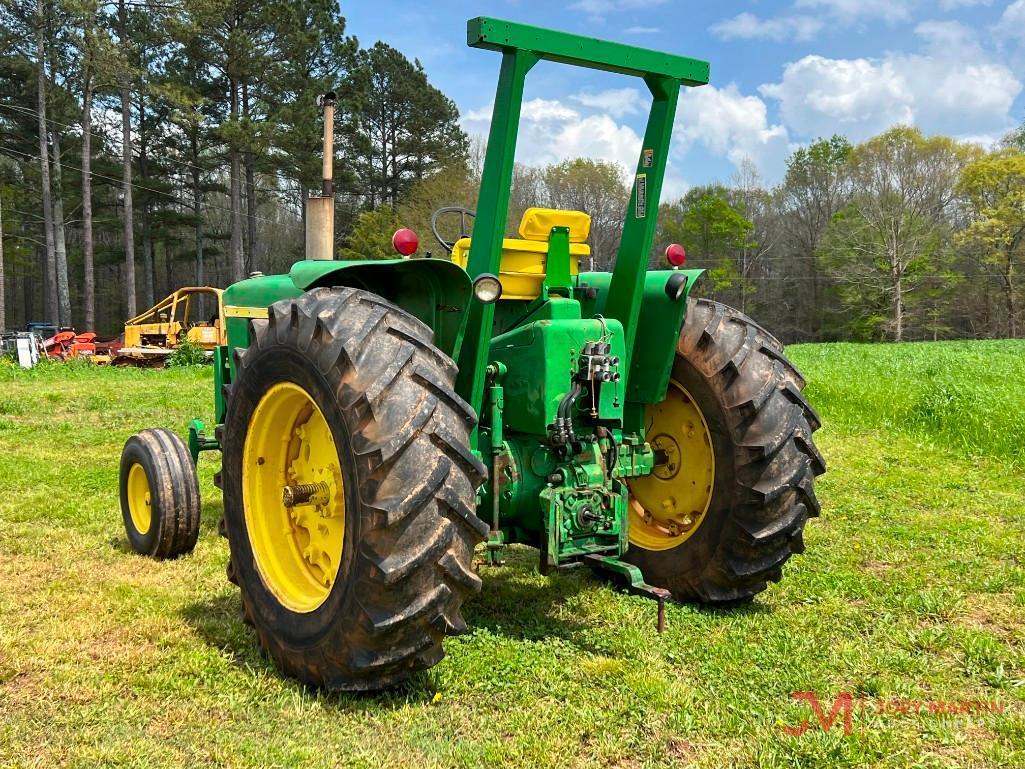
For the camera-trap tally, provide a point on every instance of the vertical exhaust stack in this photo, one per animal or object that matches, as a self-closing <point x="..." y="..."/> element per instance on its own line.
<point x="320" y="210"/>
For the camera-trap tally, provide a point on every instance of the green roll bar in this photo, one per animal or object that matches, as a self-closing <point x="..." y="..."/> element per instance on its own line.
<point x="522" y="46"/>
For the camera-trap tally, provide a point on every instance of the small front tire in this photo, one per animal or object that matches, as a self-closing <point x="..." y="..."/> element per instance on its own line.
<point x="159" y="494"/>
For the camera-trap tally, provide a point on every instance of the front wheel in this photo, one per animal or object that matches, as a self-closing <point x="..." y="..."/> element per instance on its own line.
<point x="735" y="464"/>
<point x="159" y="493"/>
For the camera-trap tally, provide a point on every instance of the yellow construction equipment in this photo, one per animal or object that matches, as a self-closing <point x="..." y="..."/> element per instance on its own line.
<point x="195" y="313"/>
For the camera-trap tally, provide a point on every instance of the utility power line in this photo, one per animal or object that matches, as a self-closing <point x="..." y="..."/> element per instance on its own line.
<point x="214" y="206"/>
<point x="33" y="113"/>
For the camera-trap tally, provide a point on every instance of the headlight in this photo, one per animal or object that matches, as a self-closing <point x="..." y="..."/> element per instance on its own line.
<point x="676" y="285"/>
<point x="487" y="288"/>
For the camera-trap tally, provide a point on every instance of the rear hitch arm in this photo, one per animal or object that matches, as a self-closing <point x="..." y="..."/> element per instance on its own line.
<point x="630" y="577"/>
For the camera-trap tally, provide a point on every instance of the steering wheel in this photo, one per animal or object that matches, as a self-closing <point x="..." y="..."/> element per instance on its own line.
<point x="463" y="213"/>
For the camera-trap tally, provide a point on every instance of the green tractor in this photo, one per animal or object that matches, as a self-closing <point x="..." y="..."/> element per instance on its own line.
<point x="377" y="420"/>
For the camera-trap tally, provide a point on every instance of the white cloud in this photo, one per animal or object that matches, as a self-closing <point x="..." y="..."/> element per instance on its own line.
<point x="805" y="26"/>
<point x="986" y="141"/>
<point x="729" y="124"/>
<point x="616" y="101"/>
<point x="835" y="13"/>
<point x="942" y="37"/>
<point x="552" y="131"/>
<point x="851" y="11"/>
<point x="819" y="96"/>
<point x="961" y="99"/>
<point x="640" y="30"/>
<point x="1012" y="21"/>
<point x="598" y="9"/>
<point x="597" y="136"/>
<point x="546" y="110"/>
<point x="747" y="26"/>
<point x="721" y="122"/>
<point x="950" y="88"/>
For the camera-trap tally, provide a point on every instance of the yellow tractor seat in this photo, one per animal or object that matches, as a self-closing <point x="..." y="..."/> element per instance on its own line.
<point x="524" y="259"/>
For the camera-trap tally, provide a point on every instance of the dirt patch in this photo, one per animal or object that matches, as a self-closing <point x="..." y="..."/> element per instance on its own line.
<point x="174" y="719"/>
<point x="967" y="747"/>
<point x="20" y="574"/>
<point x="115" y="646"/>
<point x="877" y="568"/>
<point x="19" y="685"/>
<point x="995" y="613"/>
<point x="682" y="751"/>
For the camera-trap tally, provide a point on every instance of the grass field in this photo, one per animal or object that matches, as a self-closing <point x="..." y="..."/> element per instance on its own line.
<point x="912" y="589"/>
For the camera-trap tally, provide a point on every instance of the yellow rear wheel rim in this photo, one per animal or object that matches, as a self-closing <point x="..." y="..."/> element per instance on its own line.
<point x="668" y="506"/>
<point x="140" y="502"/>
<point x="288" y="448"/>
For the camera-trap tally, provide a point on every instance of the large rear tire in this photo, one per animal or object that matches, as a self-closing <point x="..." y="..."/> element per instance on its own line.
<point x="343" y="391"/>
<point x="727" y="505"/>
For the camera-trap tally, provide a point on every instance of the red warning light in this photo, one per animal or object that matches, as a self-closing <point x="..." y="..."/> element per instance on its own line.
<point x="405" y="241"/>
<point x="676" y="255"/>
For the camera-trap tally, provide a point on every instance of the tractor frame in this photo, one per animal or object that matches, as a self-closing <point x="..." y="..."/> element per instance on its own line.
<point x="378" y="420"/>
<point x="563" y="492"/>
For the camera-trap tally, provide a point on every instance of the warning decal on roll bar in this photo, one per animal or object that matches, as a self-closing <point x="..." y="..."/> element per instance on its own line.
<point x="641" y="195"/>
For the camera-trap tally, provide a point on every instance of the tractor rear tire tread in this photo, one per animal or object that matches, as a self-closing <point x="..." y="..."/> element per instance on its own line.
<point x="409" y="436"/>
<point x="771" y="486"/>
<point x="772" y="461"/>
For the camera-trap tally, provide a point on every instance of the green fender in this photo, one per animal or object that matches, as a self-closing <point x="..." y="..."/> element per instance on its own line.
<point x="436" y="291"/>
<point x="661" y="319"/>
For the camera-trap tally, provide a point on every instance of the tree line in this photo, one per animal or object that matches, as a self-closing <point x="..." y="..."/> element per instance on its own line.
<point x="150" y="144"/>
<point x="900" y="237"/>
<point x="179" y="138"/>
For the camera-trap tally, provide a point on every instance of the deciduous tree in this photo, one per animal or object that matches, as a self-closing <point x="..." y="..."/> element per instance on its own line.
<point x="994" y="187"/>
<point x="597" y="188"/>
<point x="713" y="232"/>
<point x="894" y="234"/>
<point x="817" y="185"/>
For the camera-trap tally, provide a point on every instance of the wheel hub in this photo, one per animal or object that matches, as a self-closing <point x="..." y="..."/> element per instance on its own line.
<point x="140" y="502"/>
<point x="668" y="506"/>
<point x="667" y="456"/>
<point x="293" y="496"/>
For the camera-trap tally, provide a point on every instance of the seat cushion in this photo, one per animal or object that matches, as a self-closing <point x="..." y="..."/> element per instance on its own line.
<point x="537" y="224"/>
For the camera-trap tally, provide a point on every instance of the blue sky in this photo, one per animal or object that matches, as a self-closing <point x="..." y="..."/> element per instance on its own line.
<point x="783" y="73"/>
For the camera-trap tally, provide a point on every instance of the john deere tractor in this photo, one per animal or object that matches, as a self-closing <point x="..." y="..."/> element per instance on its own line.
<point x="378" y="420"/>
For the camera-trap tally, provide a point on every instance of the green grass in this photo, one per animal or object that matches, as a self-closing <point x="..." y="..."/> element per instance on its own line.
<point x="967" y="396"/>
<point x="912" y="587"/>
